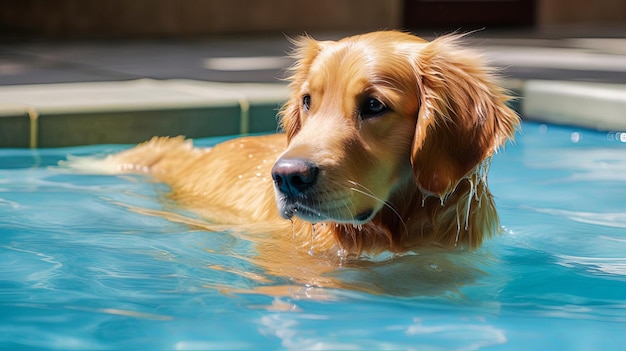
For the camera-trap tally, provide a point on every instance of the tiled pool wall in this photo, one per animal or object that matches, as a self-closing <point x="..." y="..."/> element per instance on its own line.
<point x="128" y="112"/>
<point x="59" y="115"/>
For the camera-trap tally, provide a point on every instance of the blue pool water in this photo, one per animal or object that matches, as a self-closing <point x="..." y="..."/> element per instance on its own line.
<point x="80" y="270"/>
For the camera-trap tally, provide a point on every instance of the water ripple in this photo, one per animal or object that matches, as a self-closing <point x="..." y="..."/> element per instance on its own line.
<point x="608" y="219"/>
<point x="609" y="265"/>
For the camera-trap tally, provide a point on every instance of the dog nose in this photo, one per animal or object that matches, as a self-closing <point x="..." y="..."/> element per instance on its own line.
<point x="294" y="176"/>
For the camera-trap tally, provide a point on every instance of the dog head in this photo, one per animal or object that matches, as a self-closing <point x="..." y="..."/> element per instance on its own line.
<point x="371" y="113"/>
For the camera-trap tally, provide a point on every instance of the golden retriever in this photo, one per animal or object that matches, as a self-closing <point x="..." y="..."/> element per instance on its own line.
<point x="387" y="143"/>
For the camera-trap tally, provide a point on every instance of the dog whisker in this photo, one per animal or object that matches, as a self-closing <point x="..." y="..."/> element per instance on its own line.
<point x="370" y="194"/>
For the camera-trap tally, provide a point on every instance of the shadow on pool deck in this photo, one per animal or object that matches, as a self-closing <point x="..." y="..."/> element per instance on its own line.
<point x="74" y="93"/>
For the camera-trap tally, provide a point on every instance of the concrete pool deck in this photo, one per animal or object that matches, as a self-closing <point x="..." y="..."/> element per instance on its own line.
<point x="65" y="94"/>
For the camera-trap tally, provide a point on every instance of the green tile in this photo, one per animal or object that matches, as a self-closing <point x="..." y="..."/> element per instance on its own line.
<point x="263" y="117"/>
<point x="14" y="130"/>
<point x="134" y="111"/>
<point x="262" y="101"/>
<point x="129" y="127"/>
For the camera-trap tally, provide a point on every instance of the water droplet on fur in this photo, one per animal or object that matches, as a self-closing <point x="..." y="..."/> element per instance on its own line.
<point x="343" y="256"/>
<point x="311" y="251"/>
<point x="469" y="203"/>
<point x="433" y="266"/>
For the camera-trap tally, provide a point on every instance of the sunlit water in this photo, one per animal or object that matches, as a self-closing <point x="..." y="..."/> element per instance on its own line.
<point x="80" y="270"/>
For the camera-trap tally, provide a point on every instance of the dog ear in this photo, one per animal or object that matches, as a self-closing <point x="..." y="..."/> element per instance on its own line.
<point x="463" y="116"/>
<point x="305" y="51"/>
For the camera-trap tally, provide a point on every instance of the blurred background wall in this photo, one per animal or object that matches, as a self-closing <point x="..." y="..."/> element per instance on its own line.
<point x="176" y="18"/>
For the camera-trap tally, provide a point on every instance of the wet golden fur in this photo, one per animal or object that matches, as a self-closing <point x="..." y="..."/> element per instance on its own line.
<point x="421" y="166"/>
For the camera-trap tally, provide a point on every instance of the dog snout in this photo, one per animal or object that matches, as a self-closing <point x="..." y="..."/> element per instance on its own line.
<point x="294" y="176"/>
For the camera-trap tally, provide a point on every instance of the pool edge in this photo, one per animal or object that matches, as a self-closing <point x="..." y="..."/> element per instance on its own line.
<point x="126" y="112"/>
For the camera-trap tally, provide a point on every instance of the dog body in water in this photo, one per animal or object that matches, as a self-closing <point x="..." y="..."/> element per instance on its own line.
<point x="386" y="148"/>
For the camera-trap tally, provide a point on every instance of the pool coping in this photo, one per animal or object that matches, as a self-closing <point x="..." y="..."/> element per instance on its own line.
<point x="127" y="112"/>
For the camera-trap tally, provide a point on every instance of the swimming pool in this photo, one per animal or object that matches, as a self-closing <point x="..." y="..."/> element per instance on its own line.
<point x="83" y="267"/>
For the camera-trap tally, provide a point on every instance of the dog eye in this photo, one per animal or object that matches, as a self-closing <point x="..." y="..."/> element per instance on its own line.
<point x="306" y="102"/>
<point x="372" y="107"/>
